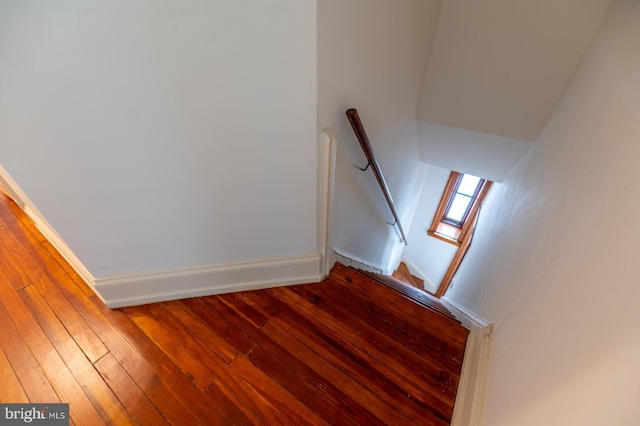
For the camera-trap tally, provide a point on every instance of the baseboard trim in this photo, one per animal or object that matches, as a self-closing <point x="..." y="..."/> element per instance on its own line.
<point x="58" y="243"/>
<point x="469" y="319"/>
<point x="469" y="404"/>
<point x="181" y="283"/>
<point x="348" y="259"/>
<point x="13" y="191"/>
<point x="156" y="286"/>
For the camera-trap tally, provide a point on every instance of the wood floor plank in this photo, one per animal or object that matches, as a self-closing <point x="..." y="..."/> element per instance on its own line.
<point x="12" y="390"/>
<point x="297" y="385"/>
<point x="33" y="380"/>
<point x="191" y="355"/>
<point x="99" y="318"/>
<point x="80" y="331"/>
<point x="143" y="361"/>
<point x="382" y="409"/>
<point x="303" y="364"/>
<point x="245" y="327"/>
<point x="192" y="322"/>
<point x="162" y="381"/>
<point x="22" y="224"/>
<point x="320" y="336"/>
<point x="136" y="402"/>
<point x="397" y="303"/>
<point x="75" y="359"/>
<point x="54" y="368"/>
<point x="421" y="359"/>
<point x="345" y="351"/>
<point x="415" y="336"/>
<point x="219" y="325"/>
<point x="291" y="410"/>
<point x="313" y="368"/>
<point x="147" y="368"/>
<point x="18" y="260"/>
<point x="45" y="279"/>
<point x="250" y="315"/>
<point x="387" y="352"/>
<point x="233" y="391"/>
<point x="236" y="412"/>
<point x="11" y="267"/>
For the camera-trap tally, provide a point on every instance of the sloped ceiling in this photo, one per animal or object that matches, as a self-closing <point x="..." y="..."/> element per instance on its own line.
<point x="499" y="66"/>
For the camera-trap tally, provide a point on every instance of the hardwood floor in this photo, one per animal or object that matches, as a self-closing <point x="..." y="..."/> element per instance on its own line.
<point x="348" y="350"/>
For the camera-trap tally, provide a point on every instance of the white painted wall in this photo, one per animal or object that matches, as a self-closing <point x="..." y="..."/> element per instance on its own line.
<point x="162" y="134"/>
<point x="479" y="154"/>
<point x="429" y="255"/>
<point x="372" y="56"/>
<point x="499" y="67"/>
<point x="554" y="266"/>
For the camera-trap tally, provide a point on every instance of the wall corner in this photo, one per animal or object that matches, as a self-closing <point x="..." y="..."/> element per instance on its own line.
<point x="468" y="408"/>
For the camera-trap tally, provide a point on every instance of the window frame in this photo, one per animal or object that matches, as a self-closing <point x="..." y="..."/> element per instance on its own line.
<point x="444" y="229"/>
<point x="452" y="198"/>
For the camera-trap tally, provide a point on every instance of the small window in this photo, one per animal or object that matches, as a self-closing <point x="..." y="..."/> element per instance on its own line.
<point x="457" y="209"/>
<point x="466" y="189"/>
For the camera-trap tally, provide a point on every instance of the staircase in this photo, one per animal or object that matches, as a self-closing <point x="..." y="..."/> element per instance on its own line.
<point x="403" y="274"/>
<point x="400" y="286"/>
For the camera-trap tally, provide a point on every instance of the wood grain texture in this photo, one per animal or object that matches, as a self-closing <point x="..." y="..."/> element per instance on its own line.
<point x="402" y="273"/>
<point x="348" y="350"/>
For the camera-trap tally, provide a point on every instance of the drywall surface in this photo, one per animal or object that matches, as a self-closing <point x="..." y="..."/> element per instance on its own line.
<point x="157" y="135"/>
<point x="429" y="255"/>
<point x="554" y="265"/>
<point x="499" y="67"/>
<point x="464" y="151"/>
<point x="372" y="56"/>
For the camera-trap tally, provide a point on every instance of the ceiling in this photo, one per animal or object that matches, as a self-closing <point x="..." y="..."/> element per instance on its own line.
<point x="499" y="66"/>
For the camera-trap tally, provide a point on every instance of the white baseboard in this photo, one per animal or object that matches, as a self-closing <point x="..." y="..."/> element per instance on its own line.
<point x="157" y="286"/>
<point x="466" y="317"/>
<point x="348" y="259"/>
<point x="58" y="243"/>
<point x="136" y="289"/>
<point x="13" y="190"/>
<point x="469" y="404"/>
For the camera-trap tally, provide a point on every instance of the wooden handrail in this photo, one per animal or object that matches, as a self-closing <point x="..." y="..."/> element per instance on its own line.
<point x="358" y="128"/>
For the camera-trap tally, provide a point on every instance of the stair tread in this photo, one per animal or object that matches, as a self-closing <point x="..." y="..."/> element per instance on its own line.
<point x="418" y="296"/>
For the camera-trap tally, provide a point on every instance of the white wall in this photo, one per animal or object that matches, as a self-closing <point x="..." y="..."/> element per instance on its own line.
<point x="479" y="154"/>
<point x="155" y="135"/>
<point x="429" y="255"/>
<point x="499" y="67"/>
<point x="555" y="263"/>
<point x="372" y="56"/>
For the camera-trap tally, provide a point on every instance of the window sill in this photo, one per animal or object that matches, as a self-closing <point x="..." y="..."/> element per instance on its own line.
<point x="443" y="237"/>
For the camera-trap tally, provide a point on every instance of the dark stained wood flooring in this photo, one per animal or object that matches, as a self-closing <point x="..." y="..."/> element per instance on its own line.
<point x="345" y="351"/>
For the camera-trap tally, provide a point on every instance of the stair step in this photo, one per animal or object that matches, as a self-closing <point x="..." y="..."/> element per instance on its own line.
<point x="418" y="296"/>
<point x="404" y="274"/>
